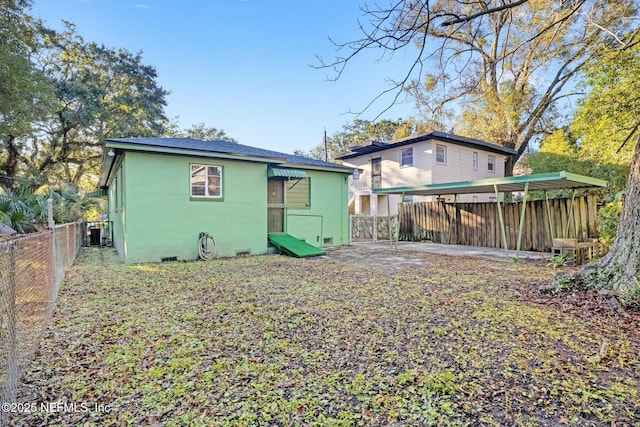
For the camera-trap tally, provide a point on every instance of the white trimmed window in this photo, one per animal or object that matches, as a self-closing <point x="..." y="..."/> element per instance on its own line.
<point x="206" y="181"/>
<point x="475" y="160"/>
<point x="441" y="154"/>
<point x="406" y="157"/>
<point x="491" y="164"/>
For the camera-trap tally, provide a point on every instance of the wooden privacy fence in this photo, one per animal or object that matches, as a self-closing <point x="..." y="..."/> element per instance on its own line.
<point x="478" y="224"/>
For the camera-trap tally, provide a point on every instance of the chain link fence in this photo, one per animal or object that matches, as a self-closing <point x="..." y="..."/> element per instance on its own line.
<point x="31" y="269"/>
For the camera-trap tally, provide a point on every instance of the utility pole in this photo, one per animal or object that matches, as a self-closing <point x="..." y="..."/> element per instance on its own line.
<point x="326" y="152"/>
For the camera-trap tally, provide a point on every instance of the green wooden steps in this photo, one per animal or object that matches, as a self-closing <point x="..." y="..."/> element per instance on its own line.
<point x="293" y="246"/>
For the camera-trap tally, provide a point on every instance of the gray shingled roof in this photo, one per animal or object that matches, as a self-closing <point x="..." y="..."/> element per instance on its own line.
<point x="439" y="136"/>
<point x="225" y="147"/>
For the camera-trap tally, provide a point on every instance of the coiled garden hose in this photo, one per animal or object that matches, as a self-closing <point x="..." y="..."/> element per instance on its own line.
<point x="207" y="248"/>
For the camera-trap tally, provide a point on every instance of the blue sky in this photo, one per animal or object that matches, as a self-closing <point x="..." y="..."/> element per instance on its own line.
<point x="244" y="65"/>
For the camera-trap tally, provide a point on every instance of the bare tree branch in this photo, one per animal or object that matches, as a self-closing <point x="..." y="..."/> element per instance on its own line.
<point x="634" y="129"/>
<point x="462" y="19"/>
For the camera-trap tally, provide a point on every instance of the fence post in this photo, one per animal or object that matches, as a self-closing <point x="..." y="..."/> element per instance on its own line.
<point x="350" y="229"/>
<point x="51" y="224"/>
<point x="502" y="229"/>
<point x="375" y="228"/>
<point x="9" y="392"/>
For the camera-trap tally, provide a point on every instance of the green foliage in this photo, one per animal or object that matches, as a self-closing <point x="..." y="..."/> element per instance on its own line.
<point x="558" y="152"/>
<point x="557" y="261"/>
<point x="62" y="96"/>
<point x="100" y="93"/>
<point x="605" y="116"/>
<point x="25" y="92"/>
<point x="16" y="213"/>
<point x="69" y="204"/>
<point x="562" y="150"/>
<point x="362" y="132"/>
<point x="592" y="143"/>
<point x="200" y="132"/>
<point x="442" y="382"/>
<point x="631" y="299"/>
<point x="25" y="211"/>
<point x="608" y="219"/>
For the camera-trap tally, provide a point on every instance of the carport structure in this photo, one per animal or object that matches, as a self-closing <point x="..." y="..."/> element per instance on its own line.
<point x="535" y="182"/>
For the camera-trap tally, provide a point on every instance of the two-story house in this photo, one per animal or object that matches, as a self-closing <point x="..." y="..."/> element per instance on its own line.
<point x="428" y="158"/>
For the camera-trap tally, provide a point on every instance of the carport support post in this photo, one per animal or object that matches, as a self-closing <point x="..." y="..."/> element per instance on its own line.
<point x="522" y="212"/>
<point x="569" y="216"/>
<point x="452" y="224"/>
<point x="502" y="230"/>
<point x="389" y="219"/>
<point x="400" y="211"/>
<point x="546" y="199"/>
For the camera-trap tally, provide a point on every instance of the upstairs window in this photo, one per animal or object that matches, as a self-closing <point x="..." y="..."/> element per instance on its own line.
<point x="206" y="181"/>
<point x="441" y="154"/>
<point x="475" y="160"/>
<point x="376" y="173"/>
<point x="406" y="157"/>
<point x="491" y="164"/>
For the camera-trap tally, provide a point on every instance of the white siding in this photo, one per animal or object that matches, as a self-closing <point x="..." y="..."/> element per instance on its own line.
<point x="459" y="167"/>
<point x="425" y="171"/>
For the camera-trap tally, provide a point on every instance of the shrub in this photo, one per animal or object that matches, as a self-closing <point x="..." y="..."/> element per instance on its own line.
<point x="608" y="218"/>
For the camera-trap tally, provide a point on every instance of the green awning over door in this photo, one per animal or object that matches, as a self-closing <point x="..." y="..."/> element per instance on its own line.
<point x="286" y="173"/>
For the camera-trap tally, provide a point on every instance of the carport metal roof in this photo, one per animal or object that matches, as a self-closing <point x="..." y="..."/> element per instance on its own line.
<point x="535" y="182"/>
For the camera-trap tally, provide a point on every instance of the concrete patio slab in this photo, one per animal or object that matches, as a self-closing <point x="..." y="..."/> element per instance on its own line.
<point x="404" y="253"/>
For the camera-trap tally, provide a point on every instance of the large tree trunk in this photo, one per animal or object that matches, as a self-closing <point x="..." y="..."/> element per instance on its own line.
<point x="619" y="270"/>
<point x="509" y="165"/>
<point x="10" y="168"/>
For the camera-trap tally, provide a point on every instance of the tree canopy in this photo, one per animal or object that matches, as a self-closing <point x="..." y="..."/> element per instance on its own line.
<point x="201" y="132"/>
<point x="61" y="96"/>
<point x="593" y="142"/>
<point x="360" y="132"/>
<point x="495" y="70"/>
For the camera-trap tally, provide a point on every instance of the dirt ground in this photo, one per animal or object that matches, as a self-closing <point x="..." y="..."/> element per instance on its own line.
<point x="365" y="335"/>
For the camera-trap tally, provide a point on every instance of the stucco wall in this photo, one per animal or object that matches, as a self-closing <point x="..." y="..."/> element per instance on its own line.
<point x="158" y="219"/>
<point x="116" y="210"/>
<point x="326" y="223"/>
<point x="161" y="220"/>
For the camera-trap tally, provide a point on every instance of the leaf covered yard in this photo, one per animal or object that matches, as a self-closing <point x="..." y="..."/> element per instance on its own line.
<point x="271" y="340"/>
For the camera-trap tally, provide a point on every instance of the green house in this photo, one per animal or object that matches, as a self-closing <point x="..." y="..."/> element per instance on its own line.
<point x="164" y="192"/>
